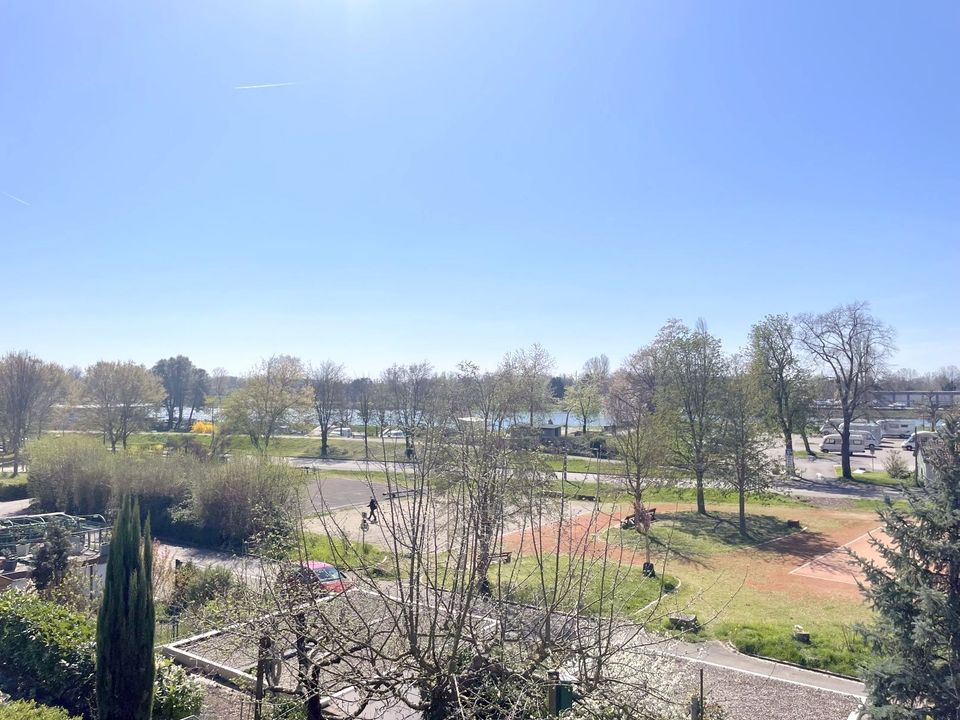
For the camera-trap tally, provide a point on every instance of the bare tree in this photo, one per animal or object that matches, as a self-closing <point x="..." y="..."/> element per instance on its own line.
<point x="328" y="381"/>
<point x="436" y="628"/>
<point x="530" y="370"/>
<point x="276" y="392"/>
<point x="361" y="401"/>
<point x="122" y="398"/>
<point x="742" y="460"/>
<point x="176" y="374"/>
<point x="410" y="389"/>
<point x="781" y="376"/>
<point x="853" y="346"/>
<point x="584" y="400"/>
<point x="597" y="369"/>
<point x="639" y="436"/>
<point x="29" y="388"/>
<point x="693" y="369"/>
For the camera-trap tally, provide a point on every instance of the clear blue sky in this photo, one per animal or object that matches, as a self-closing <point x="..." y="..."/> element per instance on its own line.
<point x="452" y="180"/>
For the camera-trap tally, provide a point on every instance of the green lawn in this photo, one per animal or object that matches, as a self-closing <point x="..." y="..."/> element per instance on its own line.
<point x="623" y="585"/>
<point x="13" y="488"/>
<point x="740" y="594"/>
<point x="878" y="478"/>
<point x="339" y="552"/>
<point x="692" y="536"/>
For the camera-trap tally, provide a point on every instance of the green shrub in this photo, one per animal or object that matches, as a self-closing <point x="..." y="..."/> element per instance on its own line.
<point x="896" y="467"/>
<point x="176" y="694"/>
<point x="14" y="489"/>
<point x="70" y="474"/>
<point x="29" y="710"/>
<point x="47" y="651"/>
<point x="194" y="587"/>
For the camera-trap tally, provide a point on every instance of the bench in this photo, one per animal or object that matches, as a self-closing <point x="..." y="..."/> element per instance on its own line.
<point x="679" y="621"/>
<point x="504" y="557"/>
<point x="793" y="524"/>
<point x="629" y="522"/>
<point x="394" y="494"/>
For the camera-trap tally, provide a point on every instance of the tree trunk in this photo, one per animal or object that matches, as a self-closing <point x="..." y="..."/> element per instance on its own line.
<point x="806" y="442"/>
<point x="584" y="424"/>
<point x="788" y="456"/>
<point x="366" y="448"/>
<point x="845" y="452"/>
<point x="743" y="510"/>
<point x="324" y="431"/>
<point x="701" y="503"/>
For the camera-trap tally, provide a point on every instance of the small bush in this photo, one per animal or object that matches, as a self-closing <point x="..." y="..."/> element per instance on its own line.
<point x="176" y="694"/>
<point x="202" y="426"/>
<point x="47" y="651"/>
<point x="14" y="489"/>
<point x="896" y="467"/>
<point x="194" y="587"/>
<point x="29" y="710"/>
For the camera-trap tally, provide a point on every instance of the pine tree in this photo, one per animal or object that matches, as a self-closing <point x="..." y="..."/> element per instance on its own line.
<point x="916" y="638"/>
<point x="125" y="625"/>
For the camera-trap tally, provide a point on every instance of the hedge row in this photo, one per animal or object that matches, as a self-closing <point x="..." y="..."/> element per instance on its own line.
<point x="48" y="652"/>
<point x="48" y="655"/>
<point x="29" y="710"/>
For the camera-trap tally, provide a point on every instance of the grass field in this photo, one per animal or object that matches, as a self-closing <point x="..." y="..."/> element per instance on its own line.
<point x="878" y="478"/>
<point x="690" y="535"/>
<point x="741" y="589"/>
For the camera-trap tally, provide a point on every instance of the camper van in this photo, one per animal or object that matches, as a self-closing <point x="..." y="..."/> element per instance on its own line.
<point x="924" y="436"/>
<point x="896" y="428"/>
<point x="872" y="432"/>
<point x="833" y="443"/>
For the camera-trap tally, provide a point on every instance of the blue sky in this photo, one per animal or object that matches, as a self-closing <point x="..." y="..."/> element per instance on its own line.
<point x="452" y="180"/>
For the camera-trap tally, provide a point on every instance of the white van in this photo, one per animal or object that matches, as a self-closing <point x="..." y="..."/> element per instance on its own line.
<point x="896" y="428"/>
<point x="924" y="436"/>
<point x="833" y="443"/>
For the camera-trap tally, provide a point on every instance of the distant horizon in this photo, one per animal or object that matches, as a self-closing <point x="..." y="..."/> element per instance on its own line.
<point x="373" y="371"/>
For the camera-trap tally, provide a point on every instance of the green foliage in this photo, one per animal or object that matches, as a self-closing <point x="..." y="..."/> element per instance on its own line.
<point x="14" y="489"/>
<point x="194" y="587"/>
<point x="176" y="694"/>
<point x="53" y="558"/>
<point x="896" y="467"/>
<point x="915" y="593"/>
<point x="70" y="474"/>
<point x="186" y="497"/>
<point x="29" y="710"/>
<point x="831" y="647"/>
<point x="342" y="553"/>
<point x="47" y="651"/>
<point x="126" y="623"/>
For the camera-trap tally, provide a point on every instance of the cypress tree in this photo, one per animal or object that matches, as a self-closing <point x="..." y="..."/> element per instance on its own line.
<point x="916" y="637"/>
<point x="125" y="624"/>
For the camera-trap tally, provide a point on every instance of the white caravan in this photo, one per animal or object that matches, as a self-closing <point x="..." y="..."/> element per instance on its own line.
<point x="833" y="443"/>
<point x="872" y="432"/>
<point x="896" y="428"/>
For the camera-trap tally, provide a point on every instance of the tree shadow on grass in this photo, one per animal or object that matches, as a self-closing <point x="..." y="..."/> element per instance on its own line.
<point x="691" y="536"/>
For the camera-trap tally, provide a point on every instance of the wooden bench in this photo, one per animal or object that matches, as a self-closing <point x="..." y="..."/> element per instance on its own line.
<point x="630" y="522"/>
<point x="504" y="557"/>
<point x="394" y="494"/>
<point x="679" y="621"/>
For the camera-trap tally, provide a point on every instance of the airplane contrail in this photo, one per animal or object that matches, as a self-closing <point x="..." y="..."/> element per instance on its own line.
<point x="19" y="200"/>
<point x="268" y="85"/>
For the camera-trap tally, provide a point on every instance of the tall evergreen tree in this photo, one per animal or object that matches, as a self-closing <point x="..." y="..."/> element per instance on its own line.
<point x="916" y="593"/>
<point x="125" y="625"/>
<point x="53" y="558"/>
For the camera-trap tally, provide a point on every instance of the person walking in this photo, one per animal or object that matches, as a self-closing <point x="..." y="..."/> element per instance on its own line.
<point x="374" y="506"/>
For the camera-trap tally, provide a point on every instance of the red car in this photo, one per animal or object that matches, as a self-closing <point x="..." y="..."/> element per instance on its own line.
<point x="322" y="576"/>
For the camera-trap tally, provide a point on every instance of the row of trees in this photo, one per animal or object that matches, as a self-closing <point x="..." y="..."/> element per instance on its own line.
<point x="790" y="358"/>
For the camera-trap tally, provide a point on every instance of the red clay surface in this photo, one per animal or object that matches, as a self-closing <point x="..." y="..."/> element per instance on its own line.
<point x="813" y="562"/>
<point x="838" y="566"/>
